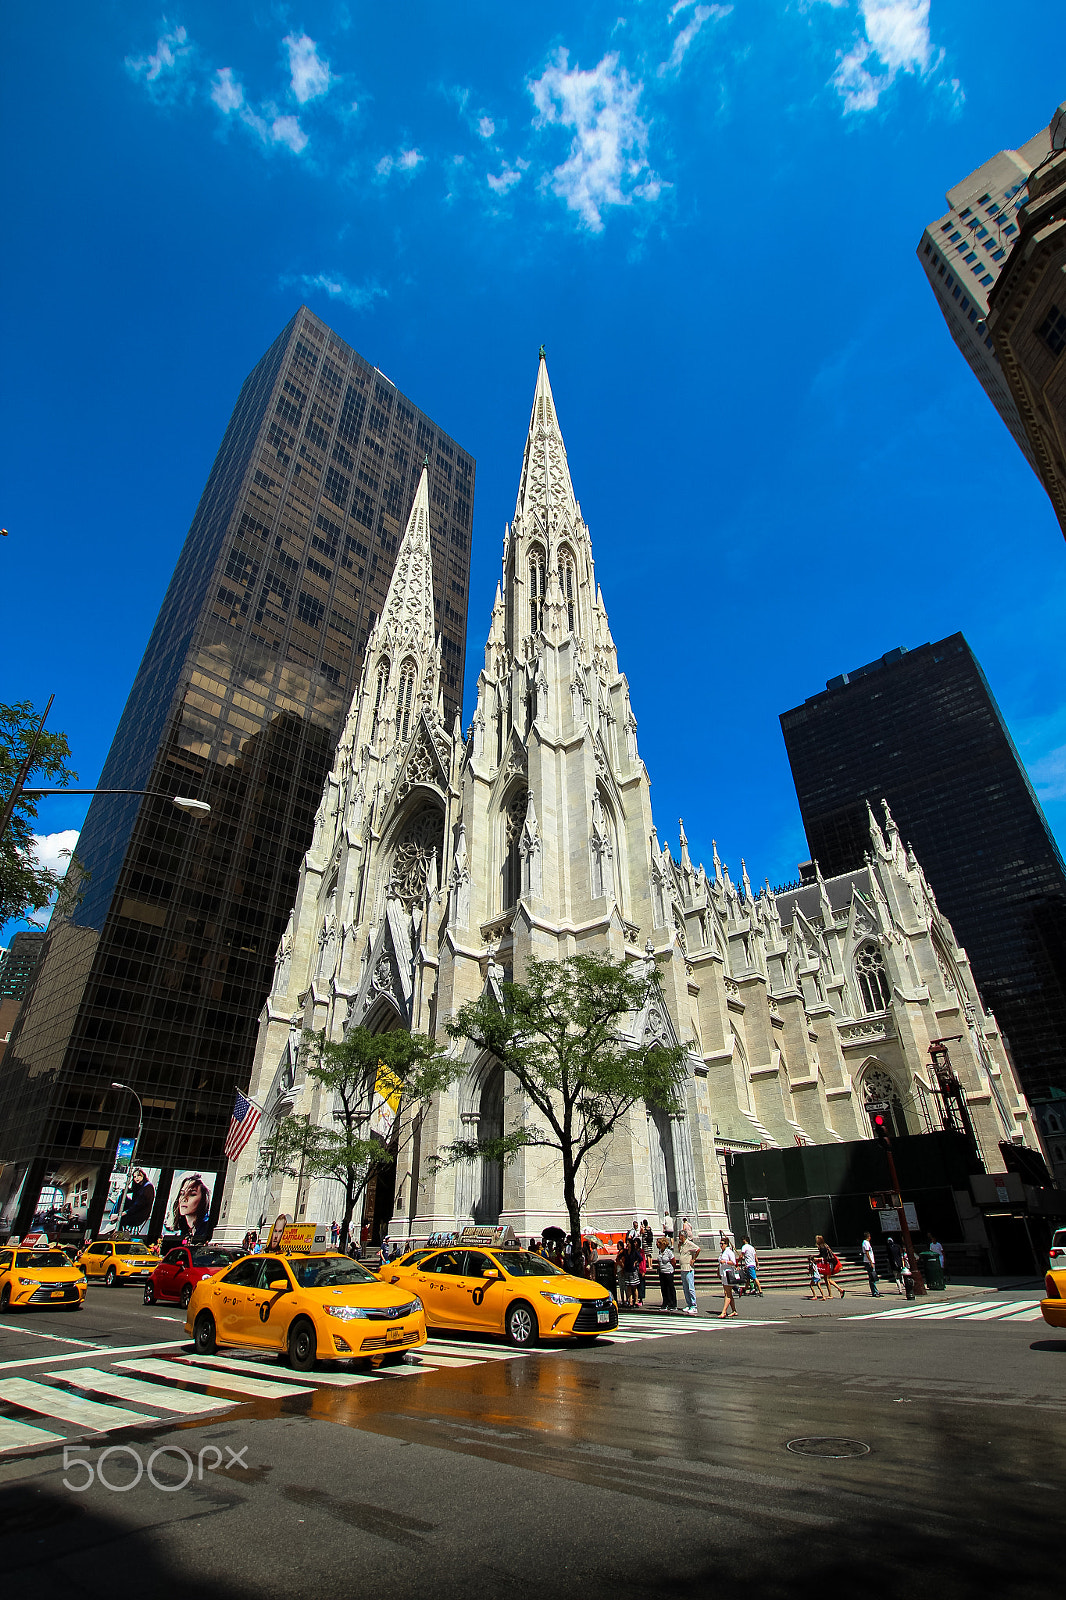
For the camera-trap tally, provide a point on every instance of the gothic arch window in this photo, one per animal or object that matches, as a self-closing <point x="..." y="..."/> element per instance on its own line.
<point x="381" y="686"/>
<point x="405" y="700"/>
<point x="872" y="977"/>
<point x="513" y="820"/>
<point x="536" y="590"/>
<point x="876" y="1086"/>
<point x="420" y="838"/>
<point x="568" y="588"/>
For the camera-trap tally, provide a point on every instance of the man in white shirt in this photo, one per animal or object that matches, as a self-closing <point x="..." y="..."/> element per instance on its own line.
<point x="869" y="1261"/>
<point x="751" y="1266"/>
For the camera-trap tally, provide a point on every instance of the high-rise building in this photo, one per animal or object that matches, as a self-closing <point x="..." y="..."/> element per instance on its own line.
<point x="18" y="963"/>
<point x="921" y="729"/>
<point x="963" y="253"/>
<point x="157" y="978"/>
<point x="1027" y="318"/>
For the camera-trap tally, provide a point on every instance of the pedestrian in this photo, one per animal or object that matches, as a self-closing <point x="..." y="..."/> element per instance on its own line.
<point x="620" y="1272"/>
<point x="665" y="1264"/>
<point x="817" y="1282"/>
<point x="647" y="1237"/>
<point x="727" y="1272"/>
<point x="937" y="1249"/>
<point x="687" y="1255"/>
<point x="686" y="1230"/>
<point x="869" y="1261"/>
<point x="828" y="1266"/>
<point x="642" y="1272"/>
<point x="632" y="1274"/>
<point x="751" y="1266"/>
<point x="334" y="1234"/>
<point x="895" y="1261"/>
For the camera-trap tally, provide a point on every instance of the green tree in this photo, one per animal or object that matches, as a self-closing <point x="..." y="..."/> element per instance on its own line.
<point x="395" y="1073"/>
<point x="559" y="1036"/>
<point x="25" y="885"/>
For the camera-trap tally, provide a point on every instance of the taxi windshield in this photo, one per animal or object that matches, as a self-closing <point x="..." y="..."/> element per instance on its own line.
<point x="41" y="1258"/>
<point x="131" y="1249"/>
<point x="328" y="1272"/>
<point x="210" y="1258"/>
<point x="523" y="1264"/>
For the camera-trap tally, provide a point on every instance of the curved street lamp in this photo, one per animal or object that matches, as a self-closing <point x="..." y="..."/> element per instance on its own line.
<point x="133" y="1154"/>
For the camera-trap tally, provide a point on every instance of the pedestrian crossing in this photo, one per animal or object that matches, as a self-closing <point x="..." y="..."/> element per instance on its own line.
<point x="151" y="1388"/>
<point x="957" y="1311"/>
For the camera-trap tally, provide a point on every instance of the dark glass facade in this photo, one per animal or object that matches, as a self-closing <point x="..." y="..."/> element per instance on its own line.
<point x="921" y="729"/>
<point x="158" y="978"/>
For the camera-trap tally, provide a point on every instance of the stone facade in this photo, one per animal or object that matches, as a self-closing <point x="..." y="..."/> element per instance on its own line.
<point x="442" y="865"/>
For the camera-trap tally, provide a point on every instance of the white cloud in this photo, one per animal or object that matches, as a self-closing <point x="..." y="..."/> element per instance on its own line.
<point x="287" y="131"/>
<point x="501" y="182"/>
<point x="896" y="34"/>
<point x="49" y="847"/>
<point x="486" y="127"/>
<point x="162" y="72"/>
<point x="700" y="15"/>
<point x="607" y="164"/>
<point x="310" y="74"/>
<point x="227" y="92"/>
<point x="359" y="296"/>
<point x="403" y="161"/>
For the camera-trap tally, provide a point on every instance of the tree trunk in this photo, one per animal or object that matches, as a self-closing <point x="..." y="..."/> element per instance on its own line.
<point x="573" y="1210"/>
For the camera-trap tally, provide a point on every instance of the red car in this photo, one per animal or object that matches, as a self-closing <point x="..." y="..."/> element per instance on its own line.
<point x="180" y="1271"/>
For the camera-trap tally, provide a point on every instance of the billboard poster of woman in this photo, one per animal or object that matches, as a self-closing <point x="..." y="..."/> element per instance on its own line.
<point x="140" y="1198"/>
<point x="189" y="1205"/>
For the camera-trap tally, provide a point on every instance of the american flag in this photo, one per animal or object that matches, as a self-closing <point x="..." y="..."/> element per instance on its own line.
<point x="242" y="1125"/>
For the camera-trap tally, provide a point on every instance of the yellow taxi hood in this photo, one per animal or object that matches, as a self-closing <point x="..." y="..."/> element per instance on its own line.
<point x="373" y="1296"/>
<point x="53" y="1274"/>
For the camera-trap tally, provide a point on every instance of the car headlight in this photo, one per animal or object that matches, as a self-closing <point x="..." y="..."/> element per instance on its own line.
<point x="30" y="1282"/>
<point x="560" y="1299"/>
<point x="345" y="1313"/>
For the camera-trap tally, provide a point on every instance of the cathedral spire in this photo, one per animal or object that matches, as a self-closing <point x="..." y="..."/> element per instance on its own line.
<point x="545" y="494"/>
<point x="407" y="615"/>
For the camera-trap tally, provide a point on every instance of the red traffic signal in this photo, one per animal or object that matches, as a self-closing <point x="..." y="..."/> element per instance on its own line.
<point x="880" y="1123"/>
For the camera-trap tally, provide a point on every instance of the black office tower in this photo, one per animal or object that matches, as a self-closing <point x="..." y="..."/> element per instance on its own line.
<point x="157" y="979"/>
<point x="921" y="729"/>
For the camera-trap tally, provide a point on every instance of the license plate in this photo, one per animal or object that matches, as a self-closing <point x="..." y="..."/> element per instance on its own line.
<point x="393" y="1335"/>
<point x="603" y="1316"/>
<point x="58" y="1294"/>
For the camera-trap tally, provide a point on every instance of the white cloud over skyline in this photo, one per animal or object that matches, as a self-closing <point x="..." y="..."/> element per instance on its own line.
<point x="359" y="296"/>
<point x="163" y="70"/>
<point x="310" y="75"/>
<point x="895" y="34"/>
<point x="686" y="36"/>
<point x="404" y="161"/>
<point x="607" y="164"/>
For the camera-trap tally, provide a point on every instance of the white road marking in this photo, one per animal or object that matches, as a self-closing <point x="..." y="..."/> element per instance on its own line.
<point x="342" y="1380"/>
<point x="17" y="1435"/>
<point x="1033" y="1314"/>
<point x="35" y="1333"/>
<point x="67" y="1407"/>
<point x="101" y="1350"/>
<point x="145" y="1394"/>
<point x="988" y="1313"/>
<point x="257" y="1387"/>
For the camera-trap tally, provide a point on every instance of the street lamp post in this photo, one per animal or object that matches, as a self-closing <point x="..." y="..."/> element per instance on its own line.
<point x="133" y="1157"/>
<point x="184" y="802"/>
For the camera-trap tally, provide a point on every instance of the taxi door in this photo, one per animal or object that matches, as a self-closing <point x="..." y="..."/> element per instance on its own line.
<point x="485" y="1298"/>
<point x="96" y="1259"/>
<point x="231" y="1302"/>
<point x="269" y="1305"/>
<point x="442" y="1289"/>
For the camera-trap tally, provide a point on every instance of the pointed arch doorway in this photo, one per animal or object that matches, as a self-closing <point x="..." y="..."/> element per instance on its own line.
<point x="488" y="1201"/>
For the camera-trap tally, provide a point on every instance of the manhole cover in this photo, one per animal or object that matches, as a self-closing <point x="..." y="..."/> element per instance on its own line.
<point x="837" y="1449"/>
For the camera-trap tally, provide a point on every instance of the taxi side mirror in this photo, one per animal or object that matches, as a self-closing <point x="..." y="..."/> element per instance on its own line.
<point x="491" y="1275"/>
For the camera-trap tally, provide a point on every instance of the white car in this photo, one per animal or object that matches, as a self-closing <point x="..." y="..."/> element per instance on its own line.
<point x="1057" y="1254"/>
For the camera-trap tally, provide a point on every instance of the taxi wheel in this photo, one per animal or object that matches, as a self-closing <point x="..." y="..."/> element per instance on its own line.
<point x="521" y="1324"/>
<point x="203" y="1334"/>
<point x="109" y="1277"/>
<point x="149" y="1295"/>
<point x="303" y="1346"/>
<point x="5" y="1299"/>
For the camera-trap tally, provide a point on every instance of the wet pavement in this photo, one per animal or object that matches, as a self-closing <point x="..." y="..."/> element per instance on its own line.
<point x="934" y="1464"/>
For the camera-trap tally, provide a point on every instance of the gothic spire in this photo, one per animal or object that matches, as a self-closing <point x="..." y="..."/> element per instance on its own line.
<point x="407" y="615"/>
<point x="545" y="493"/>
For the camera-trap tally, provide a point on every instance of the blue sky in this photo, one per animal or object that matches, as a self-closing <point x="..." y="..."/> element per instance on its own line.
<point x="709" y="215"/>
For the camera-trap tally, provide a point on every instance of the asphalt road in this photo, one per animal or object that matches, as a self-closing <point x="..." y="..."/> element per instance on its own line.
<point x="657" y="1464"/>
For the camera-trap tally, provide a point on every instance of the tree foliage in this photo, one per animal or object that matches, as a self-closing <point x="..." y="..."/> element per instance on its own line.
<point x="25" y="885"/>
<point x="561" y="1035"/>
<point x="375" y="1084"/>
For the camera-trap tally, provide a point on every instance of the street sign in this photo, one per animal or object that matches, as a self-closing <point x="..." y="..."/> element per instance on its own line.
<point x="876" y="1105"/>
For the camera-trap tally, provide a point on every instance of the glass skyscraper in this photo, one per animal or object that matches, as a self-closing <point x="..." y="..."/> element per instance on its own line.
<point x="921" y="729"/>
<point x="157" y="978"/>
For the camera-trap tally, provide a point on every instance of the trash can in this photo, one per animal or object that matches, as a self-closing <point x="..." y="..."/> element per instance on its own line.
<point x="606" y="1274"/>
<point x="931" y="1269"/>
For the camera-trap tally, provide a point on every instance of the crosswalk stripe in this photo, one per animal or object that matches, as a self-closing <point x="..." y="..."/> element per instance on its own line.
<point x="433" y="1358"/>
<point x="340" y="1380"/>
<point x="101" y="1350"/>
<point x="936" y="1309"/>
<point x="113" y="1383"/>
<point x="257" y="1387"/>
<point x="988" y="1313"/>
<point x="67" y="1407"/>
<point x="1032" y="1314"/>
<point x="17" y="1435"/>
<point x="485" y="1352"/>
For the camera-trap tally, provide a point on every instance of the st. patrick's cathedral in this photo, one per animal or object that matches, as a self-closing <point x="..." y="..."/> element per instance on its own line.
<point x="443" y="863"/>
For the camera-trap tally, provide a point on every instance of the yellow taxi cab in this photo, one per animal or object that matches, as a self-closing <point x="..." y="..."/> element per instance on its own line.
<point x="1053" y="1306"/>
<point x="114" y="1261"/>
<point x="513" y="1292"/>
<point x="321" y="1307"/>
<point x="43" y="1276"/>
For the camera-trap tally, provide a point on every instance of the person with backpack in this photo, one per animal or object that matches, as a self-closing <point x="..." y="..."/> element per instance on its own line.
<point x="828" y="1266"/>
<point x="895" y="1261"/>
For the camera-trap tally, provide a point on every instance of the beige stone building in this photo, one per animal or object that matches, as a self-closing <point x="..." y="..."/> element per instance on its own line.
<point x="442" y="864"/>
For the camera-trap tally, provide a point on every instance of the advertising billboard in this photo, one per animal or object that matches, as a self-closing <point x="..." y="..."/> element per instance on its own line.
<point x="140" y="1199"/>
<point x="190" y="1205"/>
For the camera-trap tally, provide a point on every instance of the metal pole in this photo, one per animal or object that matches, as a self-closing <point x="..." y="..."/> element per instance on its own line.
<point x="919" y="1281"/>
<point x="24" y="772"/>
<point x="133" y="1157"/>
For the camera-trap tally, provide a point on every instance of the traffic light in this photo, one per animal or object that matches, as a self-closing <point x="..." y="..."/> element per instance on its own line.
<point x="875" y="1202"/>
<point x="880" y="1124"/>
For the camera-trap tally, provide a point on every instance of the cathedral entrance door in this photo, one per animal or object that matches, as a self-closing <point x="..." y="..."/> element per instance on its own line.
<point x="489" y="1202"/>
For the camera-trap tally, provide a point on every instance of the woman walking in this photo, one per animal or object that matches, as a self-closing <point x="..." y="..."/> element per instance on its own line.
<point x="667" y="1287"/>
<point x="727" y="1272"/>
<point x="828" y="1266"/>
